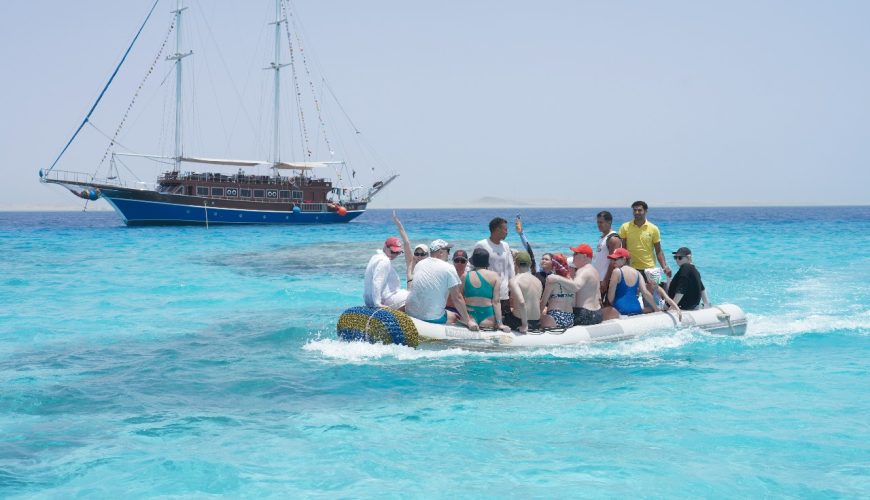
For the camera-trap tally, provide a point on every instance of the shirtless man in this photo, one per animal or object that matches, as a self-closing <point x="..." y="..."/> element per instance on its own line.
<point x="587" y="292"/>
<point x="526" y="291"/>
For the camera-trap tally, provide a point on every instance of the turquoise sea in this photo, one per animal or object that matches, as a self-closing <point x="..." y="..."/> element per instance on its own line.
<point x="192" y="362"/>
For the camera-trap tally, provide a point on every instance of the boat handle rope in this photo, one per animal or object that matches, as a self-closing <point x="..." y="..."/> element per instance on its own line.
<point x="371" y="316"/>
<point x="726" y="317"/>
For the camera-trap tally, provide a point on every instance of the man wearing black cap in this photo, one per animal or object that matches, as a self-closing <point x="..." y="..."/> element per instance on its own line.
<point x="686" y="288"/>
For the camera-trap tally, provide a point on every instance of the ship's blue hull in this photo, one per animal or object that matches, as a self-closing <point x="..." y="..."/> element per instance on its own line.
<point x="146" y="212"/>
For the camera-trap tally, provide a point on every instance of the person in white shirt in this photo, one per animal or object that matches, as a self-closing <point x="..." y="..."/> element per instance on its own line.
<point x="500" y="257"/>
<point x="435" y="280"/>
<point x="607" y="243"/>
<point x="381" y="287"/>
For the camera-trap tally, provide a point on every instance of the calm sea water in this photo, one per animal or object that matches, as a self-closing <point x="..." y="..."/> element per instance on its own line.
<point x="194" y="362"/>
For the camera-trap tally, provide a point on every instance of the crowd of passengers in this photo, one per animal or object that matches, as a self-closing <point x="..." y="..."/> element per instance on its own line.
<point x="499" y="288"/>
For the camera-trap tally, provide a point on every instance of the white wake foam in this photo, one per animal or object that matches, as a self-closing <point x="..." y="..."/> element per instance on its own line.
<point x="365" y="353"/>
<point x="764" y="329"/>
<point x="797" y="323"/>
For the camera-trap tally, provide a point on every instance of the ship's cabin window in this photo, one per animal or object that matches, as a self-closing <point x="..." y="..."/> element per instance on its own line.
<point x="259" y="193"/>
<point x="201" y="191"/>
<point x="232" y="191"/>
<point x="245" y="193"/>
<point x="217" y="191"/>
<point x="297" y="195"/>
<point x="285" y="195"/>
<point x="271" y="193"/>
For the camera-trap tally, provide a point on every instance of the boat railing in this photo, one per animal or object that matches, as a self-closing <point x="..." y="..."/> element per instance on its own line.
<point x="294" y="182"/>
<point x="79" y="178"/>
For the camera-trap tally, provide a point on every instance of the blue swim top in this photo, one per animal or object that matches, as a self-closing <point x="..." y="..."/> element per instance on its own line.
<point x="625" y="300"/>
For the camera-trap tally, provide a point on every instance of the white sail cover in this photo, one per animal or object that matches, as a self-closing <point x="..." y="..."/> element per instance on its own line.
<point x="219" y="161"/>
<point x="304" y="165"/>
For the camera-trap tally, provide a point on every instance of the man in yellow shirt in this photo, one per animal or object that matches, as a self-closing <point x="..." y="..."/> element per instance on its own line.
<point x="643" y="240"/>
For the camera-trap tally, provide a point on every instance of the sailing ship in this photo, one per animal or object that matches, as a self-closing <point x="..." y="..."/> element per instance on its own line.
<point x="291" y="193"/>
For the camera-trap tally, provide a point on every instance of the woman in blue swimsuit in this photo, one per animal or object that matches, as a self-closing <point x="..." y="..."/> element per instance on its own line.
<point x="625" y="286"/>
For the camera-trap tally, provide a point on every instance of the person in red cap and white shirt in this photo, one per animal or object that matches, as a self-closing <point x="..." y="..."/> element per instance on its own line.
<point x="382" y="282"/>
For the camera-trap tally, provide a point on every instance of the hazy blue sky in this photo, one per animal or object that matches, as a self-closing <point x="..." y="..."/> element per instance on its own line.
<point x="548" y="102"/>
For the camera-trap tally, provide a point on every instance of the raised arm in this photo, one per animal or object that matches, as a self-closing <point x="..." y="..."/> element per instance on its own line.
<point x="518" y="225"/>
<point x="406" y="250"/>
<point x="406" y="243"/>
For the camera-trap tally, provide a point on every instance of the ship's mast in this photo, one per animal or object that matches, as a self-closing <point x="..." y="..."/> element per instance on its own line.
<point x="276" y="67"/>
<point x="177" y="57"/>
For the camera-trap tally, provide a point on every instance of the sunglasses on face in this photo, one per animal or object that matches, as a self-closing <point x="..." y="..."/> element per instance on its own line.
<point x="678" y="257"/>
<point x="460" y="260"/>
<point x="394" y="252"/>
<point x="419" y="254"/>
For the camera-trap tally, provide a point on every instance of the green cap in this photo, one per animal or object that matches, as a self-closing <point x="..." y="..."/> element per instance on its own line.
<point x="523" y="259"/>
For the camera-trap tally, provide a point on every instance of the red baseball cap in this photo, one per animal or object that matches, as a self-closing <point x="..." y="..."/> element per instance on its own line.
<point x="619" y="253"/>
<point x="393" y="244"/>
<point x="583" y="248"/>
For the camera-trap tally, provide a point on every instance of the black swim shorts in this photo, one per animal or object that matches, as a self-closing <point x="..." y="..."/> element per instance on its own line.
<point x="583" y="316"/>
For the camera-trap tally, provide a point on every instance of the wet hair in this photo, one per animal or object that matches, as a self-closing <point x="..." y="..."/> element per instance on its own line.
<point x="480" y="258"/>
<point x="560" y="265"/>
<point x="640" y="204"/>
<point x="604" y="214"/>
<point x="495" y="223"/>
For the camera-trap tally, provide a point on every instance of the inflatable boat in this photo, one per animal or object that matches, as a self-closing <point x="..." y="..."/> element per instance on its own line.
<point x="389" y="326"/>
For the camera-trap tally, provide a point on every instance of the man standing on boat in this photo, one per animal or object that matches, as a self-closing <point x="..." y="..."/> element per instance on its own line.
<point x="382" y="282"/>
<point x="500" y="257"/>
<point x="643" y="241"/>
<point x="434" y="280"/>
<point x="607" y="243"/>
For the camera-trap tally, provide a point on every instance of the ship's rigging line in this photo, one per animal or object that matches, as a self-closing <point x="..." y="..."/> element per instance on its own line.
<point x="362" y="145"/>
<point x="299" y="48"/>
<point x="114" y="139"/>
<point x="103" y="92"/>
<point x="229" y="77"/>
<point x="303" y="128"/>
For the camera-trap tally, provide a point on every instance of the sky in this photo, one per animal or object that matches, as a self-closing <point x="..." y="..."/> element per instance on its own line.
<point x="546" y="103"/>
